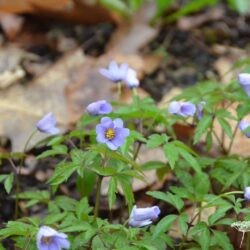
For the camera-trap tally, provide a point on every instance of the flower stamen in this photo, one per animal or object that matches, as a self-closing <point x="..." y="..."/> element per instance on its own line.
<point x="110" y="133"/>
<point x="46" y="240"/>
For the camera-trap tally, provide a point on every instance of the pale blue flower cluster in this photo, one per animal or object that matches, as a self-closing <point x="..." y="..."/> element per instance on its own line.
<point x="49" y="239"/>
<point x="121" y="73"/>
<point x="141" y="217"/>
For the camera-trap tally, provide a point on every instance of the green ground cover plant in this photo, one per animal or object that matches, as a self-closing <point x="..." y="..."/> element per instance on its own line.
<point x="109" y="137"/>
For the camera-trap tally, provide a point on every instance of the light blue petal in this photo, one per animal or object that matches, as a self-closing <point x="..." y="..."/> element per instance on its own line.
<point x="111" y="145"/>
<point x="174" y="107"/>
<point x="244" y="80"/>
<point x="134" y="223"/>
<point x="106" y="74"/>
<point x="149" y="213"/>
<point x="62" y="242"/>
<point x="118" y="123"/>
<point x="187" y="109"/>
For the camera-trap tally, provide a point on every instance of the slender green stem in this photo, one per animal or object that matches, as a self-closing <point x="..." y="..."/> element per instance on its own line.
<point x="119" y="90"/>
<point x="98" y="188"/>
<point x="18" y="188"/>
<point x="232" y="140"/>
<point x="98" y="195"/>
<point x="198" y="214"/>
<point x="219" y="142"/>
<point x="137" y="150"/>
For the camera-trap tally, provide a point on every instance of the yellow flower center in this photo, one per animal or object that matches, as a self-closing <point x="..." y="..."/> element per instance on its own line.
<point x="46" y="240"/>
<point x="110" y="133"/>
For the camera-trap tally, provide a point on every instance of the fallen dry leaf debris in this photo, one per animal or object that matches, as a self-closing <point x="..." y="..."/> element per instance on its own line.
<point x="73" y="82"/>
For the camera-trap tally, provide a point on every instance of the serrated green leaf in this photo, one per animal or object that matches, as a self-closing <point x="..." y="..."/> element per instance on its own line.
<point x="225" y="127"/>
<point x="190" y="159"/>
<point x="17" y="228"/>
<point x="164" y="225"/>
<point x="8" y="183"/>
<point x="151" y="165"/>
<point x="202" y="126"/>
<point x="183" y="222"/>
<point x="54" y="218"/>
<point x="155" y="140"/>
<point x="82" y="208"/>
<point x="221" y="239"/>
<point x="174" y="200"/>
<point x="171" y="152"/>
<point x="112" y="192"/>
<point x="127" y="189"/>
<point x="78" y="226"/>
<point x="56" y="150"/>
<point x="63" y="171"/>
<point x="85" y="185"/>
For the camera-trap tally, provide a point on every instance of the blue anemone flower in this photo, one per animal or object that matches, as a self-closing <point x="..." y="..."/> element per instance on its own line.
<point x="48" y="124"/>
<point x="50" y="239"/>
<point x="111" y="132"/>
<point x="140" y="217"/>
<point x="101" y="107"/>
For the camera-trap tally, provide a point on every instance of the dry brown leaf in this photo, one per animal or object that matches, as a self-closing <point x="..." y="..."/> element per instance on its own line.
<point x="131" y="36"/>
<point x="65" y="89"/>
<point x="11" y="24"/>
<point x="68" y="10"/>
<point x="22" y="106"/>
<point x="190" y="22"/>
<point x="228" y="57"/>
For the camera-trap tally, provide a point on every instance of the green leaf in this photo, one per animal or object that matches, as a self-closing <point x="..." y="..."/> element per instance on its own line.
<point x="117" y="5"/>
<point x="190" y="7"/>
<point x="127" y="189"/>
<point x="183" y="222"/>
<point x="85" y="185"/>
<point x="225" y="126"/>
<point x="54" y="218"/>
<point x="56" y="141"/>
<point x="162" y="5"/>
<point x="242" y="6"/>
<point x="156" y="140"/>
<point x="82" y="208"/>
<point x="8" y="183"/>
<point x="202" y="126"/>
<point x="221" y="239"/>
<point x="209" y="141"/>
<point x="3" y="177"/>
<point x="190" y="159"/>
<point x="63" y="171"/>
<point x="17" y="228"/>
<point x="65" y="203"/>
<point x="105" y="171"/>
<point x="151" y="165"/>
<point x="218" y="214"/>
<point x="112" y="192"/>
<point x="201" y="234"/>
<point x="116" y="156"/>
<point x="56" y="150"/>
<point x="35" y="197"/>
<point x="201" y="185"/>
<point x="171" y="153"/>
<point x="164" y="225"/>
<point x="78" y="226"/>
<point x="174" y="200"/>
